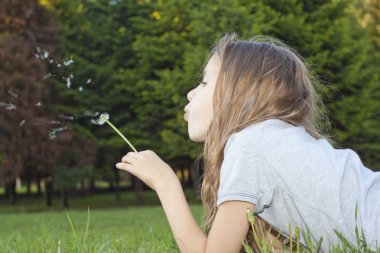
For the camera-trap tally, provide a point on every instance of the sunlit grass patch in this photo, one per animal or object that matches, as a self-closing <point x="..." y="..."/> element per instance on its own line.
<point x="310" y="247"/>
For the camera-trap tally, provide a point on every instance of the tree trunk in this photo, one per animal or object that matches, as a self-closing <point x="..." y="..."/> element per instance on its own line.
<point x="82" y="189"/>
<point x="117" y="184"/>
<point x="49" y="191"/>
<point x="39" y="191"/>
<point x="65" y="197"/>
<point x="139" y="190"/>
<point x="196" y="177"/>
<point x="111" y="187"/>
<point x="12" y="194"/>
<point x="28" y="183"/>
<point x="92" y="185"/>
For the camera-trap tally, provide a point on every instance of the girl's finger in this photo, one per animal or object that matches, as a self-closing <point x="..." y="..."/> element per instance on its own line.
<point x="125" y="166"/>
<point x="131" y="156"/>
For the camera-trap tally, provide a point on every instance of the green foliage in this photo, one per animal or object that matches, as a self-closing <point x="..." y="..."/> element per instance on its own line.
<point x="145" y="56"/>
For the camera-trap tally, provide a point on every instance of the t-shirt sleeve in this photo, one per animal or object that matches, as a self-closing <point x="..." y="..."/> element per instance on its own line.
<point x="244" y="176"/>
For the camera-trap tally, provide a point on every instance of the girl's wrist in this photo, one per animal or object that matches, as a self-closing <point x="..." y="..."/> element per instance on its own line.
<point x="167" y="184"/>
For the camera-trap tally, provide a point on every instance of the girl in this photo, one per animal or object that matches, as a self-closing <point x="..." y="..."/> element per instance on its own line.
<point x="258" y="114"/>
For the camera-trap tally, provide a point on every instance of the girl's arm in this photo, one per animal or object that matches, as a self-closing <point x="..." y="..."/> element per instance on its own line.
<point x="228" y="231"/>
<point x="230" y="226"/>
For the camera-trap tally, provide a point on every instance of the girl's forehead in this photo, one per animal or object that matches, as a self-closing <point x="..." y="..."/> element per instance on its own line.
<point x="212" y="66"/>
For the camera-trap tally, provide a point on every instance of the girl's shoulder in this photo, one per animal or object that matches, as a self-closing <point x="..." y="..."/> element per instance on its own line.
<point x="267" y="131"/>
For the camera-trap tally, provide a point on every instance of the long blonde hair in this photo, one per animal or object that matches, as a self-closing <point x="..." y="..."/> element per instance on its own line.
<point x="259" y="79"/>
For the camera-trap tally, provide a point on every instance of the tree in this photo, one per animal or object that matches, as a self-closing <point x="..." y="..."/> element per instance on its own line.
<point x="22" y="27"/>
<point x="145" y="56"/>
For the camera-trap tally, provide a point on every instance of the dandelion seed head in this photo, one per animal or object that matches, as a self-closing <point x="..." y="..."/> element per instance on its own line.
<point x="101" y="120"/>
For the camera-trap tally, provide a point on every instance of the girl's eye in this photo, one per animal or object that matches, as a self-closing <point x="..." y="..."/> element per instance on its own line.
<point x="203" y="83"/>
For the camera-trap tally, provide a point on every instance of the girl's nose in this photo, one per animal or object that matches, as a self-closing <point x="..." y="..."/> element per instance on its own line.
<point x="190" y="95"/>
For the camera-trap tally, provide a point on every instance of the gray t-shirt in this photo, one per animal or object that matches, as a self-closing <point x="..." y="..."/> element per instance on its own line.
<point x="294" y="178"/>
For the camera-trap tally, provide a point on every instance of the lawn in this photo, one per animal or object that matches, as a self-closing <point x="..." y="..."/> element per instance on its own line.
<point x="133" y="229"/>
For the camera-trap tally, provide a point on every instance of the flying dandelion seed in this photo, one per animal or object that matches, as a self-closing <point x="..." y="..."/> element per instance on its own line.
<point x="47" y="76"/>
<point x="8" y="106"/>
<point x="80" y="88"/>
<point x="91" y="114"/>
<point x="68" y="80"/>
<point x="46" y="55"/>
<point x="59" y="65"/>
<point x="44" y="122"/>
<point x="53" y="132"/>
<point x="13" y="94"/>
<point x="68" y="62"/>
<point x="88" y="80"/>
<point x="37" y="55"/>
<point x="22" y="122"/>
<point x="38" y="104"/>
<point x="51" y="61"/>
<point x="66" y="117"/>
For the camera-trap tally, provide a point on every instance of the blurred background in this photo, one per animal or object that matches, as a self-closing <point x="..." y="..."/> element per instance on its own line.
<point x="62" y="62"/>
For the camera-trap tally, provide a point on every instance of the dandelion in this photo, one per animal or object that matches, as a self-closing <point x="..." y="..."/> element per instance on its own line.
<point x="104" y="118"/>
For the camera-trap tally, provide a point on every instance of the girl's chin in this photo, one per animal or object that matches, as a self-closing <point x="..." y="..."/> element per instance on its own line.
<point x="196" y="138"/>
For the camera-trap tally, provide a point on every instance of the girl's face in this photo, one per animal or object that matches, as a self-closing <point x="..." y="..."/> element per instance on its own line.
<point x="199" y="112"/>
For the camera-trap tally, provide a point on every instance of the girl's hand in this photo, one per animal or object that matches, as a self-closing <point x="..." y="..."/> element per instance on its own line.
<point x="148" y="166"/>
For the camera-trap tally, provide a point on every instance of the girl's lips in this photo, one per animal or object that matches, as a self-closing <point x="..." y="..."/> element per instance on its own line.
<point x="186" y="116"/>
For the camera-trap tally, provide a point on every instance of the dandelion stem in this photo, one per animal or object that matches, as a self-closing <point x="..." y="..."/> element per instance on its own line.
<point x="122" y="136"/>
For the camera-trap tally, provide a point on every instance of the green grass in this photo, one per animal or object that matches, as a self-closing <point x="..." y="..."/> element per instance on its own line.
<point x="361" y="245"/>
<point x="93" y="201"/>
<point x="135" y="229"/>
<point x="110" y="226"/>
